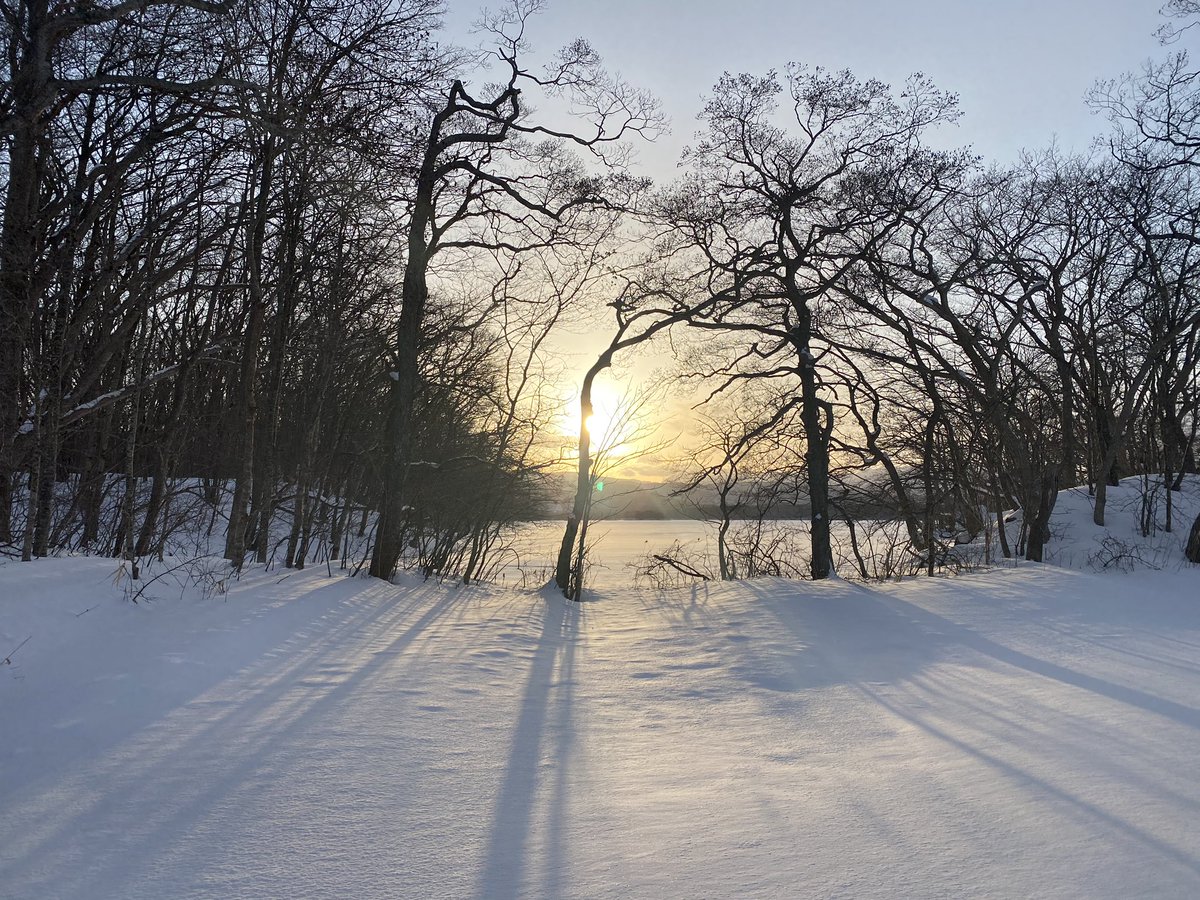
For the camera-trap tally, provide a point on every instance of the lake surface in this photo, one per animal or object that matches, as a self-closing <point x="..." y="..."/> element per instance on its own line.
<point x="616" y="546"/>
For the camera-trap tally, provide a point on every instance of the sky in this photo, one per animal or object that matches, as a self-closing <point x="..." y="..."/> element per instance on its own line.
<point x="1021" y="68"/>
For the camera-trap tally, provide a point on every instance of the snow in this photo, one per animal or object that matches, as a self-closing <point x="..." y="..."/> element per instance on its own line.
<point x="1078" y="543"/>
<point x="97" y="401"/>
<point x="1022" y="732"/>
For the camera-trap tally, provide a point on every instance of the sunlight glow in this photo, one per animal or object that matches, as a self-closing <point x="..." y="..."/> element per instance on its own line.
<point x="605" y="425"/>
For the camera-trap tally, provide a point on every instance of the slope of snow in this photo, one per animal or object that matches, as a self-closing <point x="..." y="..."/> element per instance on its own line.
<point x="1021" y="733"/>
<point x="1123" y="543"/>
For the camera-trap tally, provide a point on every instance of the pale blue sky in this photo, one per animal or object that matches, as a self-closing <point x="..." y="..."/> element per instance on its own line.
<point x="1021" y="67"/>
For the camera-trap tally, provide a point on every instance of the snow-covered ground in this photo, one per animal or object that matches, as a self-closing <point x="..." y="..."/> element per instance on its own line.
<point x="1025" y="732"/>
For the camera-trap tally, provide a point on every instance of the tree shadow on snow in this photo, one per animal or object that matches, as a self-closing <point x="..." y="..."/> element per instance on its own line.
<point x="888" y="649"/>
<point x="972" y="640"/>
<point x="88" y="828"/>
<point x="544" y="731"/>
<point x="834" y="634"/>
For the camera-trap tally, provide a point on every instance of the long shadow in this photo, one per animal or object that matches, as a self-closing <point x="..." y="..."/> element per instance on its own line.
<point x="1125" y="758"/>
<point x="512" y="825"/>
<point x="564" y="754"/>
<point x="1185" y="715"/>
<point x="919" y="637"/>
<point x="224" y="738"/>
<point x="1030" y="782"/>
<point x="835" y="636"/>
<point x="305" y="613"/>
<point x="1074" y="634"/>
<point x="897" y="639"/>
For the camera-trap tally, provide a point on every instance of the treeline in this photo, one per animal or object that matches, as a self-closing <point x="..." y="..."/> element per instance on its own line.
<point x="901" y="321"/>
<point x="290" y="273"/>
<point x="220" y="219"/>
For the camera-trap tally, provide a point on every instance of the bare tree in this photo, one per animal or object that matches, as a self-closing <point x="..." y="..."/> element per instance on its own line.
<point x="780" y="217"/>
<point x="492" y="178"/>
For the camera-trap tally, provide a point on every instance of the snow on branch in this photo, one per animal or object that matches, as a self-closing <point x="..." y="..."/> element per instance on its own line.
<point x="81" y="410"/>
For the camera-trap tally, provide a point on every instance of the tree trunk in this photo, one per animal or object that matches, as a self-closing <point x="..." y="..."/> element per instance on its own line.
<point x="583" y="482"/>
<point x="1105" y="478"/>
<point x="29" y="94"/>
<point x="1177" y="443"/>
<point x="1039" y="523"/>
<point x="299" y="507"/>
<point x="389" y="537"/>
<point x="723" y="566"/>
<point x="235" y="540"/>
<point x="817" y="419"/>
<point x="47" y="472"/>
<point x="94" y="477"/>
<point x="1001" y="525"/>
<point x="129" y="551"/>
<point x="1192" y="551"/>
<point x="154" y="505"/>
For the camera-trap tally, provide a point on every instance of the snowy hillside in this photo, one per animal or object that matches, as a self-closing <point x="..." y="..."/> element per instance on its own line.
<point x="1020" y="733"/>
<point x="1134" y="536"/>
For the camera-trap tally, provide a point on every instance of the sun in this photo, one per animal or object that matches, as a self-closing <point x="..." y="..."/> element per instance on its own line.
<point x="604" y="424"/>
<point x="598" y="425"/>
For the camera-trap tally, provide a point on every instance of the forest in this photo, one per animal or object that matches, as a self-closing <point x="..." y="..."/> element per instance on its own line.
<point x="436" y="464"/>
<point x="294" y="274"/>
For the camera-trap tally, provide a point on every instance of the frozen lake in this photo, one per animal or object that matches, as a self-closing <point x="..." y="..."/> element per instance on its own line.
<point x="617" y="545"/>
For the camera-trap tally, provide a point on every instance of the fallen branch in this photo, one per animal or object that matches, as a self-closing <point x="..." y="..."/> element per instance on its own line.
<point x="13" y="652"/>
<point x="682" y="568"/>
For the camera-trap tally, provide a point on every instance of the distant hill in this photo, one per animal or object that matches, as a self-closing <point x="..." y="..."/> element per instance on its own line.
<point x="628" y="498"/>
<point x="623" y="498"/>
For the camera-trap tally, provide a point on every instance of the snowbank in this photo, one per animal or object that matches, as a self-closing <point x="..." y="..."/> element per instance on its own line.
<point x="1135" y="533"/>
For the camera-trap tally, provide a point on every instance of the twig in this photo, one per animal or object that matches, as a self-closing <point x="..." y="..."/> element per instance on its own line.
<point x="146" y="584"/>
<point x="13" y="652"/>
<point x="681" y="567"/>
